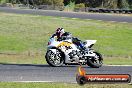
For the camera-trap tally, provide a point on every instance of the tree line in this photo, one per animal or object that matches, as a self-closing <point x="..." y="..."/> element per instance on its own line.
<point x="111" y="4"/>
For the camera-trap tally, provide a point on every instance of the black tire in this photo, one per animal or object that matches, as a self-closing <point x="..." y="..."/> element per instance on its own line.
<point x="81" y="80"/>
<point x="49" y="60"/>
<point x="92" y="62"/>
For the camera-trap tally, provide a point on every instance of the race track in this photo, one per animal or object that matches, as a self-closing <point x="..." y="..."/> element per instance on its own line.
<point x="45" y="73"/>
<point x="94" y="16"/>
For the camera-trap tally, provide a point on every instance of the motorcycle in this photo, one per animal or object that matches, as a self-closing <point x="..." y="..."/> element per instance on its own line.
<point x="66" y="52"/>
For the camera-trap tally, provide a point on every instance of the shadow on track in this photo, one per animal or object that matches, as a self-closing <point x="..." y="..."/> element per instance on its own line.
<point x="42" y="65"/>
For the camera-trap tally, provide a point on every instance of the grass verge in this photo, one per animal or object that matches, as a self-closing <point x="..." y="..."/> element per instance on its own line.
<point x="23" y="38"/>
<point x="60" y="85"/>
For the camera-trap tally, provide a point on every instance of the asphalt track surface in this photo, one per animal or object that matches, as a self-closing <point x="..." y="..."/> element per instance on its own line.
<point x="45" y="73"/>
<point x="93" y="16"/>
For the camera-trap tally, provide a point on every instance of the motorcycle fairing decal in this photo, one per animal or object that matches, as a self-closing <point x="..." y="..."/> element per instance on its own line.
<point x="67" y="44"/>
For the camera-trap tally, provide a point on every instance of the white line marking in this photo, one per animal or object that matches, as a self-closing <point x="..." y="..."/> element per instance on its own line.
<point x="123" y="22"/>
<point x="74" y="18"/>
<point x="54" y="18"/>
<point x="88" y="19"/>
<point x="42" y="82"/>
<point x="112" y="21"/>
<point x="117" y="65"/>
<point x="99" y="20"/>
<point x="63" y="17"/>
<point x="32" y="81"/>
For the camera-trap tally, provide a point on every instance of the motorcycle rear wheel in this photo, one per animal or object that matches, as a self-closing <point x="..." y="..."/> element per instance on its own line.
<point x="95" y="62"/>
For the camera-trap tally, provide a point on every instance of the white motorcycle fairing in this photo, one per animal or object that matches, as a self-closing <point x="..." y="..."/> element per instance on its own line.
<point x="90" y="42"/>
<point x="62" y="46"/>
<point x="70" y="48"/>
<point x="67" y="52"/>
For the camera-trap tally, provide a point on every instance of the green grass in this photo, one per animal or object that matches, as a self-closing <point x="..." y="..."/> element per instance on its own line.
<point x="61" y="85"/>
<point x="117" y="61"/>
<point x="22" y="59"/>
<point x="28" y="35"/>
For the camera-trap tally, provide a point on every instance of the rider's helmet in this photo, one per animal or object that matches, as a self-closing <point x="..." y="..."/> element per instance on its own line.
<point x="59" y="32"/>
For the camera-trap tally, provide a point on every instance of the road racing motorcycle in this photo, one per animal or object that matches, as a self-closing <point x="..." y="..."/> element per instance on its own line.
<point x="66" y="52"/>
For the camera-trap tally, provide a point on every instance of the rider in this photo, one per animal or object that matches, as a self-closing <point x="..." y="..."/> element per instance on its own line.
<point x="62" y="35"/>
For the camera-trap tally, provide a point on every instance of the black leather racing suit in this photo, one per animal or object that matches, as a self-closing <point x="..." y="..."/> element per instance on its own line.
<point x="64" y="36"/>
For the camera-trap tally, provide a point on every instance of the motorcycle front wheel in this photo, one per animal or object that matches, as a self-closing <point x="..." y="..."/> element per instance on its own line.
<point x="54" y="59"/>
<point x="95" y="62"/>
